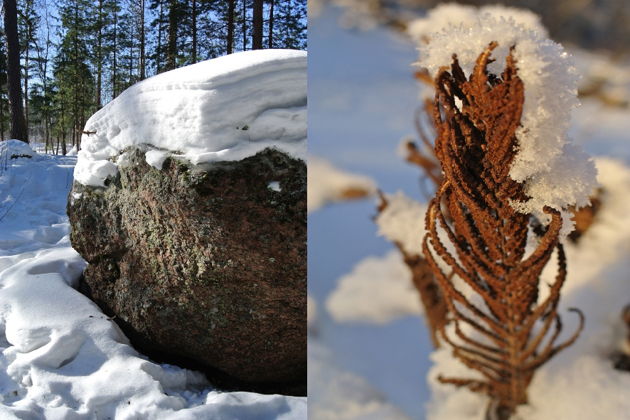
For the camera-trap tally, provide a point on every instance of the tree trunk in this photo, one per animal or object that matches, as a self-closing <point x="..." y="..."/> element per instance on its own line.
<point x="43" y="63"/>
<point x="172" y="35"/>
<point x="230" y="27"/>
<point x="77" y="80"/>
<point x="1" y="119"/>
<point x="244" y="26"/>
<point x="158" y="55"/>
<point x="18" y="123"/>
<point x="257" y="27"/>
<point x="114" y="61"/>
<point x="270" y="45"/>
<point x="26" y="77"/>
<point x="194" y="31"/>
<point x="143" y="74"/>
<point x="99" y="55"/>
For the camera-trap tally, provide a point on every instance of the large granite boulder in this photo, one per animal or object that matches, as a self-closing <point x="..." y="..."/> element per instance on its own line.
<point x="203" y="265"/>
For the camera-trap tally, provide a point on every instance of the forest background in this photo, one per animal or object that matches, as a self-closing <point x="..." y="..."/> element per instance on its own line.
<point x="77" y="55"/>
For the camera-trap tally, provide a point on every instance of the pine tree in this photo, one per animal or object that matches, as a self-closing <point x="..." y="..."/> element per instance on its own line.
<point x="257" y="24"/>
<point x="230" y="26"/>
<point x="18" y="124"/>
<point x="4" y="101"/>
<point x="194" y="11"/>
<point x="41" y="96"/>
<point x="175" y="14"/>
<point x="140" y="10"/>
<point x="73" y="76"/>
<point x="244" y="22"/>
<point x="270" y="24"/>
<point x="28" y="24"/>
<point x="291" y="24"/>
<point x="159" y="27"/>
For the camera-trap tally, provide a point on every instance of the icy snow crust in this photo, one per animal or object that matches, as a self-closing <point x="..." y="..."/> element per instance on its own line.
<point x="60" y="356"/>
<point x="227" y="108"/>
<point x="555" y="172"/>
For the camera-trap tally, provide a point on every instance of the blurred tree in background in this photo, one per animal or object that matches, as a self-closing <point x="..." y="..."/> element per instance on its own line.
<point x="599" y="24"/>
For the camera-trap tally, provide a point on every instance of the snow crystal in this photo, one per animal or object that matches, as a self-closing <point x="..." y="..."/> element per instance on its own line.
<point x="555" y="173"/>
<point x="447" y="14"/>
<point x="384" y="282"/>
<point x="227" y="108"/>
<point x="327" y="183"/>
<point x="402" y="222"/>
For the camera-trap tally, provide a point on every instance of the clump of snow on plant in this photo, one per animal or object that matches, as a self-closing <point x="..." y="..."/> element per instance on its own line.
<point x="555" y="173"/>
<point x="581" y="378"/>
<point x="447" y="14"/>
<point x="327" y="183"/>
<point x="227" y="108"/>
<point x="402" y="222"/>
<point x="384" y="282"/>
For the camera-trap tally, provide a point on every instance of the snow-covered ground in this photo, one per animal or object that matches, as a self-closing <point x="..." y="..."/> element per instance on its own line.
<point x="62" y="358"/>
<point x="362" y="102"/>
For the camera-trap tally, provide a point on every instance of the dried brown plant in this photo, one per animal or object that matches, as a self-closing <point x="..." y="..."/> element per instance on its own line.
<point x="499" y="327"/>
<point x="423" y="155"/>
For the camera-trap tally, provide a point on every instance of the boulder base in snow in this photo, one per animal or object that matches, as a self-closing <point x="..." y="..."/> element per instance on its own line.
<point x="203" y="265"/>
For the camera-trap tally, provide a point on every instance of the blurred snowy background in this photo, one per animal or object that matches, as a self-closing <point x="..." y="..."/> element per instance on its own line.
<point x="369" y="351"/>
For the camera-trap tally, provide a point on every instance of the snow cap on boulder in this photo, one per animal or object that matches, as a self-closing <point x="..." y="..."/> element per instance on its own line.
<point x="223" y="109"/>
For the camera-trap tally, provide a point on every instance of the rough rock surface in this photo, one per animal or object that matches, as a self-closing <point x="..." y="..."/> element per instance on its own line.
<point x="203" y="266"/>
